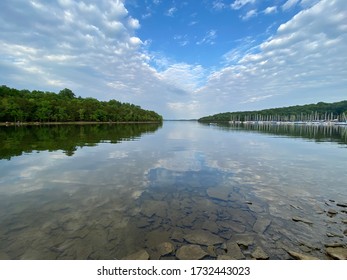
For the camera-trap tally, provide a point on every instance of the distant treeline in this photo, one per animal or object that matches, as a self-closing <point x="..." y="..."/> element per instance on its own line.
<point x="38" y="106"/>
<point x="312" y="112"/>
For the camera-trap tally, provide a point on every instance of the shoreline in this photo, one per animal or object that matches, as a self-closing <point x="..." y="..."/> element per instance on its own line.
<point x="75" y="123"/>
<point x="304" y="123"/>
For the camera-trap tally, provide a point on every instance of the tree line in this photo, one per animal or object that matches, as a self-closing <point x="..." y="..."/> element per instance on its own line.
<point x="38" y="106"/>
<point x="312" y="112"/>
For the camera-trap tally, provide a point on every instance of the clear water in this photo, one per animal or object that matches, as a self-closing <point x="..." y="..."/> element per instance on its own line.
<point x="108" y="191"/>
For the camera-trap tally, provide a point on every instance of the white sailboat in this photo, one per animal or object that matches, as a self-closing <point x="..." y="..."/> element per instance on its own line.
<point x="343" y="122"/>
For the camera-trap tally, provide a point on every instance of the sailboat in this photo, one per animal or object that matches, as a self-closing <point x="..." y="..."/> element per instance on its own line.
<point x="343" y="122"/>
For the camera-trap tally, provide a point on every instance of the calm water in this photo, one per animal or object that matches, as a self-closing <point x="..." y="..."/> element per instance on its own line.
<point x="109" y="191"/>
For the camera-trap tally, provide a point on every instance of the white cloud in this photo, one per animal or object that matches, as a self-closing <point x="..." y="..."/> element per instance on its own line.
<point x="249" y="14"/>
<point x="91" y="49"/>
<point x="308" y="3"/>
<point x="257" y="98"/>
<point x="238" y="4"/>
<point x="181" y="108"/>
<point x="209" y="38"/>
<point x="170" y="12"/>
<point x="182" y="40"/>
<point x="289" y="4"/>
<point x="135" y="41"/>
<point x="65" y="3"/>
<point x="218" y="5"/>
<point x="134" y="23"/>
<point x="114" y="8"/>
<point x="270" y="10"/>
<point x="194" y="22"/>
<point x="184" y="76"/>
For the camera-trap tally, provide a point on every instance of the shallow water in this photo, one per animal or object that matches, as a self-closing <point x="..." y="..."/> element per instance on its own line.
<point x="108" y="191"/>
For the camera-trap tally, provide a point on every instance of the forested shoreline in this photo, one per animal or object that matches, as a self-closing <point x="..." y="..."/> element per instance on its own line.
<point x="321" y="111"/>
<point x="39" y="106"/>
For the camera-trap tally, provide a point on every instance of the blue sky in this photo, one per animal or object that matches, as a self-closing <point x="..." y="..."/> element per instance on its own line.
<point x="183" y="59"/>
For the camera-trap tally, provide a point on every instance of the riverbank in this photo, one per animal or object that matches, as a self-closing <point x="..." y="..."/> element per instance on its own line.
<point x="284" y="123"/>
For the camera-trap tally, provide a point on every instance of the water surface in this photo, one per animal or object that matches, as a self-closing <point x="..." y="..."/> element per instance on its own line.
<point x="108" y="191"/>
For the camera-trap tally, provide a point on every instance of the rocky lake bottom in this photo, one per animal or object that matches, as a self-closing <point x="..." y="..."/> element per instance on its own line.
<point x="185" y="204"/>
<point x="185" y="222"/>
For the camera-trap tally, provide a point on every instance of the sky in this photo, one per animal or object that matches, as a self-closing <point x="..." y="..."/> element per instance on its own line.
<point x="183" y="59"/>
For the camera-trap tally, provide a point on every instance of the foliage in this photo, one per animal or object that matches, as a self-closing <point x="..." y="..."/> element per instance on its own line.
<point x="319" y="111"/>
<point x="38" y="106"/>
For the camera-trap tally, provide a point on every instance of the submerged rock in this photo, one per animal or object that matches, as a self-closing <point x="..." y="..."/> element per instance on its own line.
<point x="187" y="221"/>
<point x="342" y="204"/>
<point x="203" y="237"/>
<point x="234" y="251"/>
<point x="332" y="212"/>
<point x="243" y="216"/>
<point x="154" y="207"/>
<point x="300" y="256"/>
<point x="333" y="245"/>
<point x="224" y="257"/>
<point x="142" y="223"/>
<point x="81" y="250"/>
<point x="303" y="220"/>
<point x="210" y="226"/>
<point x="259" y="254"/>
<point x="4" y="256"/>
<point x="190" y="252"/>
<point x="219" y="193"/>
<point x="98" y="238"/>
<point x="339" y="253"/>
<point x="333" y="234"/>
<point x="177" y="235"/>
<point x="256" y="208"/>
<point x="295" y="207"/>
<point x="261" y="225"/>
<point x="243" y="239"/>
<point x="156" y="237"/>
<point x="140" y="255"/>
<point x="211" y="251"/>
<point x="231" y="225"/>
<point x="165" y="248"/>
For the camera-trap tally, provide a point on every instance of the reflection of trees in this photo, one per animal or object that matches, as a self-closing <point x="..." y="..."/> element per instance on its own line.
<point x="16" y="140"/>
<point x="318" y="133"/>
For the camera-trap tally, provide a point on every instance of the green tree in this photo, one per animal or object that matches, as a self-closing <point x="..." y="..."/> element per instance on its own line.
<point x="23" y="105"/>
<point x="67" y="93"/>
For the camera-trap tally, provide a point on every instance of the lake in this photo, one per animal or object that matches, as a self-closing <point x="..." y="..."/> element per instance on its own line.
<point x="178" y="190"/>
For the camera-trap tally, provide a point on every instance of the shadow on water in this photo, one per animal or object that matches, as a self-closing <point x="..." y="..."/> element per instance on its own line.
<point x="16" y="140"/>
